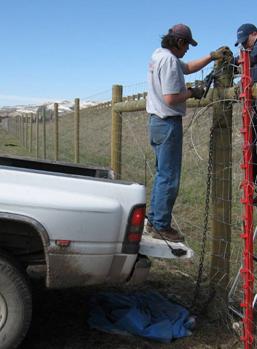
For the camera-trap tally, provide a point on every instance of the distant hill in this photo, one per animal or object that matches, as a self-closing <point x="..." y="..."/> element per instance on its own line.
<point x="64" y="107"/>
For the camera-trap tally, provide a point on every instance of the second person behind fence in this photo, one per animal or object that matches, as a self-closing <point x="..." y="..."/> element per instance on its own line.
<point x="247" y="38"/>
<point x="166" y="105"/>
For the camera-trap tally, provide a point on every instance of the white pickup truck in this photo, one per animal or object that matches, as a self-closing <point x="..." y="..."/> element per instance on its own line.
<point x="79" y="222"/>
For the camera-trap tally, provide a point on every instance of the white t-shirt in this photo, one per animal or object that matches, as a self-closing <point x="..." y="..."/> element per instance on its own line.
<point x="165" y="76"/>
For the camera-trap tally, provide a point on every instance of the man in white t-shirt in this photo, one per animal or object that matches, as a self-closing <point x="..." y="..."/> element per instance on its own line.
<point x="166" y="105"/>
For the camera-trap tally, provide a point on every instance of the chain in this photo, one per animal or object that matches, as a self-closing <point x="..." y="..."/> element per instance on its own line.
<point x="206" y="218"/>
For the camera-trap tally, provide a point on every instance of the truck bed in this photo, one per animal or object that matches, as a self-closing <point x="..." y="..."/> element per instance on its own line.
<point x="57" y="167"/>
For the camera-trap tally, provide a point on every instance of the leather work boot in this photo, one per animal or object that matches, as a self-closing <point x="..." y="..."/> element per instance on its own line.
<point x="169" y="234"/>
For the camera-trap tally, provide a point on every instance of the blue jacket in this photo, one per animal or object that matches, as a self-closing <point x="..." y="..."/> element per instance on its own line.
<point x="253" y="57"/>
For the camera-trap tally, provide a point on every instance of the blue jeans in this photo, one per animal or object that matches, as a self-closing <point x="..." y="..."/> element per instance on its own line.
<point x="166" y="140"/>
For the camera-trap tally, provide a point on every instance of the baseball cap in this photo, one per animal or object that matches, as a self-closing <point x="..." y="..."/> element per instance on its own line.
<point x="184" y="32"/>
<point x="244" y="31"/>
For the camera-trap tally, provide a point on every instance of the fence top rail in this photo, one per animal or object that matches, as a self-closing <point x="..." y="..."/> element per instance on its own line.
<point x="137" y="102"/>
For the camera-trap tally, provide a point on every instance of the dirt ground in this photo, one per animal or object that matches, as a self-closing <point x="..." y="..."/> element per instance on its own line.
<point x="60" y="319"/>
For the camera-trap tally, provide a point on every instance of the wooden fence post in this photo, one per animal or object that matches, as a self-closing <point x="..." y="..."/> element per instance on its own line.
<point x="37" y="134"/>
<point x="20" y="128"/>
<point x="222" y="179"/>
<point x="16" y="126"/>
<point x="26" y="131"/>
<point x="76" y="130"/>
<point x="116" y="132"/>
<point x="44" y="132"/>
<point x="31" y="132"/>
<point x="56" y="132"/>
<point x="23" y="130"/>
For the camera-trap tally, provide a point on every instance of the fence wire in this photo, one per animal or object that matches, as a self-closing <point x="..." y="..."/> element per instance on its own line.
<point x="138" y="164"/>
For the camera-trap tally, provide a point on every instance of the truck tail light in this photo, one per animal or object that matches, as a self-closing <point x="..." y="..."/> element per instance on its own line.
<point x="62" y="243"/>
<point x="134" y="230"/>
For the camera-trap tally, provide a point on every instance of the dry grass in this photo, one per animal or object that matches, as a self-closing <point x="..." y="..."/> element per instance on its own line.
<point x="59" y="318"/>
<point x="63" y="324"/>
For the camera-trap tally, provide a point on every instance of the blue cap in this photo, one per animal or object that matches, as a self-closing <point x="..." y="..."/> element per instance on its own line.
<point x="244" y="31"/>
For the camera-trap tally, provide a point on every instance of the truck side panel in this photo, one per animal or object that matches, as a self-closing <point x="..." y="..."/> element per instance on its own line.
<point x="91" y="214"/>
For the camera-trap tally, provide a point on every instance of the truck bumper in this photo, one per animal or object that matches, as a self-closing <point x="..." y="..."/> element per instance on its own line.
<point x="141" y="270"/>
<point x="79" y="270"/>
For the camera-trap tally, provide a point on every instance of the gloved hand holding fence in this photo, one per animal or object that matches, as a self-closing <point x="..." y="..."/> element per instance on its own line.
<point x="197" y="92"/>
<point x="222" y="53"/>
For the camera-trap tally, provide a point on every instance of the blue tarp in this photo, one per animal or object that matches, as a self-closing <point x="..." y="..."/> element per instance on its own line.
<point x="146" y="314"/>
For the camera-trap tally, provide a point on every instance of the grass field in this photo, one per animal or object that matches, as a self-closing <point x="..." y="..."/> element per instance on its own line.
<point x="172" y="278"/>
<point x="138" y="162"/>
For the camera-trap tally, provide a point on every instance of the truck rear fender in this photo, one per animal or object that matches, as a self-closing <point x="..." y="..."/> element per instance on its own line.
<point x="23" y="237"/>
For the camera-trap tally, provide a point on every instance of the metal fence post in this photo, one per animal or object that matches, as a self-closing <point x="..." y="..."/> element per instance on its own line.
<point x="247" y="269"/>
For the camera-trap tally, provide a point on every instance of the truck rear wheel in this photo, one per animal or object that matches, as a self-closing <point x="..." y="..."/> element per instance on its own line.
<point x="15" y="304"/>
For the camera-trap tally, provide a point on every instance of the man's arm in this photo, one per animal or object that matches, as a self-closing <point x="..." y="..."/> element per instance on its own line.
<point x="221" y="53"/>
<point x="198" y="64"/>
<point x="173" y="99"/>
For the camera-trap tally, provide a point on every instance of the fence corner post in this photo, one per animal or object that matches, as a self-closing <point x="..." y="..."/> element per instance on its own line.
<point x="221" y="179"/>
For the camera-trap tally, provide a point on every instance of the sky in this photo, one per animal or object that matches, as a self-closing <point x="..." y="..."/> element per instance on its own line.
<point x="53" y="50"/>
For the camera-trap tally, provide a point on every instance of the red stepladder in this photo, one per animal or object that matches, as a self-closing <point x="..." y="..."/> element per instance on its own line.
<point x="247" y="271"/>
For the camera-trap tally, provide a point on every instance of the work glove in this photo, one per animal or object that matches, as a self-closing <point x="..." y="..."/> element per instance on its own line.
<point x="222" y="53"/>
<point x="197" y="92"/>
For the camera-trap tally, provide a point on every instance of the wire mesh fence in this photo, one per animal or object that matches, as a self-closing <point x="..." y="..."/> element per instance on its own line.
<point x="138" y="163"/>
<point x="220" y="288"/>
